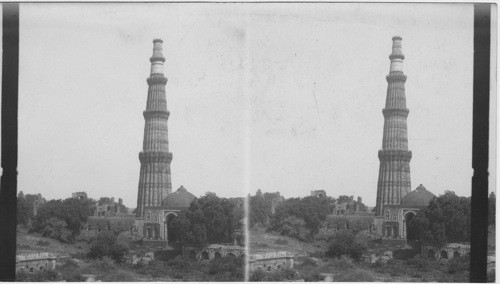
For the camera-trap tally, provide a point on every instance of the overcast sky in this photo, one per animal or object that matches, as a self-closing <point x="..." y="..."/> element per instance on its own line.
<point x="277" y="97"/>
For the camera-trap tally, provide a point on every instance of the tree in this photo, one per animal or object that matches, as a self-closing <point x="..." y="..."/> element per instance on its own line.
<point x="105" y="244"/>
<point x="72" y="211"/>
<point x="491" y="210"/>
<point x="208" y="219"/>
<point x="343" y="242"/>
<point x="311" y="209"/>
<point x="446" y="219"/>
<point x="24" y="210"/>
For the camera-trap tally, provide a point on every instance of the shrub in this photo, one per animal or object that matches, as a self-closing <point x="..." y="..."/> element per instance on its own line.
<point x="39" y="276"/>
<point x="227" y="265"/>
<point x="491" y="275"/>
<point x="281" y="242"/>
<point x="179" y="262"/>
<point x="342" y="263"/>
<point x="419" y="262"/>
<point x="308" y="262"/>
<point x="105" y="244"/>
<point x="43" y="243"/>
<point x="344" y="243"/>
<point x="458" y="264"/>
<point x="405" y="254"/>
<point x="354" y="276"/>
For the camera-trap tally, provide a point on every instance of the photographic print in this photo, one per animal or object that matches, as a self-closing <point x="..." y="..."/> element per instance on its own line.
<point x="324" y="142"/>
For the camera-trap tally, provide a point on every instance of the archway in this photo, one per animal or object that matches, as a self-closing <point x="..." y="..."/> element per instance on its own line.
<point x="41" y="268"/>
<point x="192" y="255"/>
<point x="231" y="255"/>
<point x="204" y="255"/>
<point x="149" y="232"/>
<point x="269" y="268"/>
<point x="410" y="235"/>
<point x="431" y="254"/>
<point x="456" y="254"/>
<point x="388" y="231"/>
<point x="171" y="235"/>
<point x="444" y="254"/>
<point x="217" y="255"/>
<point x="279" y="266"/>
<point x="32" y="269"/>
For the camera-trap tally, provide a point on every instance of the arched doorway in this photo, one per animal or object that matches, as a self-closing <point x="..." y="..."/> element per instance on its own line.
<point x="192" y="255"/>
<point x="170" y="233"/>
<point x="456" y="254"/>
<point x="409" y="234"/>
<point x="204" y="255"/>
<point x="269" y="268"/>
<point x="444" y="254"/>
<point x="431" y="254"/>
<point x="217" y="255"/>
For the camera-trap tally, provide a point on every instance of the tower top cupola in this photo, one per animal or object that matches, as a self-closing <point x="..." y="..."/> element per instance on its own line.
<point x="397" y="55"/>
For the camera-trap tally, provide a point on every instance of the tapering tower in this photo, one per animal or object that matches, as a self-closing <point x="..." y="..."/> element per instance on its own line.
<point x="394" y="173"/>
<point x="155" y="181"/>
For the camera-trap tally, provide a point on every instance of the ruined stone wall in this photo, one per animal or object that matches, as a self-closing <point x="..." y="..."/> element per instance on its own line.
<point x="35" y="262"/>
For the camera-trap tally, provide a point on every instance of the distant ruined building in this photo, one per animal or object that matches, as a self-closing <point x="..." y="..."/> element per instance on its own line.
<point x="396" y="203"/>
<point x="348" y="207"/>
<point x="157" y="206"/>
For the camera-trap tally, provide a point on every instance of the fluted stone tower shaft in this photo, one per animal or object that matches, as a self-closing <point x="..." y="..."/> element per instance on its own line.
<point x="394" y="173"/>
<point x="155" y="181"/>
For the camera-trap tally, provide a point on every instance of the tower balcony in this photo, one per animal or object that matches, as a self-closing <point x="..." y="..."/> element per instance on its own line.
<point x="395" y="112"/>
<point x="394" y="155"/>
<point x="148" y="114"/>
<point x="150" y="156"/>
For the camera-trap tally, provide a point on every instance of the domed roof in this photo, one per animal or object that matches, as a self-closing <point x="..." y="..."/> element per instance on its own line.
<point x="180" y="198"/>
<point x="420" y="197"/>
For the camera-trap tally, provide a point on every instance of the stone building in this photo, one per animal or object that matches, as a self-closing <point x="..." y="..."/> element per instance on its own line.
<point x="397" y="217"/>
<point x="318" y="193"/>
<point x="269" y="261"/>
<point x="107" y="207"/>
<point x="448" y="251"/>
<point x="157" y="206"/>
<point x="396" y="204"/>
<point x="79" y="195"/>
<point x="394" y="173"/>
<point x="157" y="221"/>
<point x="347" y="207"/>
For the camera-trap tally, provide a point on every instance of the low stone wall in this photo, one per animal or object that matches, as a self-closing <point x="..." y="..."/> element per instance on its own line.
<point x="213" y="251"/>
<point x="270" y="261"/>
<point x="35" y="262"/>
<point x="446" y="252"/>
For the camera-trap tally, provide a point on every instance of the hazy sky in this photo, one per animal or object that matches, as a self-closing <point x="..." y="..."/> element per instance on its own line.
<point x="281" y="97"/>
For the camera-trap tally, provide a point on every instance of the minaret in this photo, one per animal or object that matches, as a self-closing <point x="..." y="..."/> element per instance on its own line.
<point x="155" y="181"/>
<point x="394" y="173"/>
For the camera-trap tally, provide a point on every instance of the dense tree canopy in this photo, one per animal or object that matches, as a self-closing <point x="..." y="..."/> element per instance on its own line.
<point x="261" y="207"/>
<point x="26" y="207"/>
<point x="343" y="242"/>
<point x="73" y="212"/>
<point x="208" y="219"/>
<point x="311" y="209"/>
<point x="446" y="219"/>
<point x="106" y="244"/>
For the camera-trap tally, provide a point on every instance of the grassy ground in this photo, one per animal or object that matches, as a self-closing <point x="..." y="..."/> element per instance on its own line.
<point x="72" y="264"/>
<point x="33" y="243"/>
<point x="310" y="264"/>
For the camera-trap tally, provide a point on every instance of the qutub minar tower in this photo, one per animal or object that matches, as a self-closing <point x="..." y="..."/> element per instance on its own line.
<point x="155" y="180"/>
<point x="394" y="173"/>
